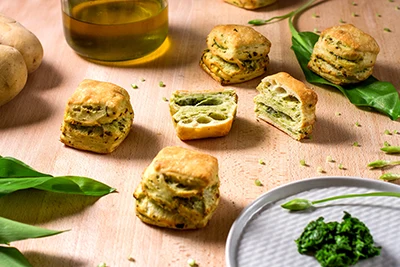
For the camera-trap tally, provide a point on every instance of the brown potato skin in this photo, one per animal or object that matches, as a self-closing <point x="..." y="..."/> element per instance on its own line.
<point x="14" y="34"/>
<point x="13" y="73"/>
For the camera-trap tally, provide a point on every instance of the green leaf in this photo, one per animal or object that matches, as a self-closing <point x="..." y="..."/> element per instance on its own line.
<point x="16" y="175"/>
<point x="371" y="93"/>
<point x="13" y="231"/>
<point x="12" y="257"/>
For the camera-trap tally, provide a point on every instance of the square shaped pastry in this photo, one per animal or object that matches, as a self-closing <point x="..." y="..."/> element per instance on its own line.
<point x="179" y="189"/>
<point x="250" y="4"/>
<point x="286" y="103"/>
<point x="235" y="54"/>
<point x="202" y="114"/>
<point x="97" y="118"/>
<point x="344" y="55"/>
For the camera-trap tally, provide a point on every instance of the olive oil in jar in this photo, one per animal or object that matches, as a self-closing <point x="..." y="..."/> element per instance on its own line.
<point x="115" y="30"/>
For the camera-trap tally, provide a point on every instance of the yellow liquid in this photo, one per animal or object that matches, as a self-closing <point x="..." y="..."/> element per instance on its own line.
<point x="116" y="30"/>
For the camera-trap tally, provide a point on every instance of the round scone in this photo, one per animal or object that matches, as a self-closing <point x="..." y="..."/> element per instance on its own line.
<point x="97" y="118"/>
<point x="344" y="54"/>
<point x="13" y="73"/>
<point x="179" y="189"/>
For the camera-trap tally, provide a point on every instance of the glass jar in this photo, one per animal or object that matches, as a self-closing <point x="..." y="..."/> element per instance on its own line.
<point x="115" y="30"/>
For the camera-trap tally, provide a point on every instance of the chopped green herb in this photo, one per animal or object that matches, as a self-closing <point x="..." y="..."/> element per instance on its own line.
<point x="161" y="84"/>
<point x="397" y="7"/>
<point x="258" y="182"/>
<point x="134" y="86"/>
<point x="261" y="161"/>
<point x="387" y="30"/>
<point x="391" y="149"/>
<point x="102" y="264"/>
<point x="329" y="159"/>
<point x="342" y="21"/>
<point x="165" y="99"/>
<point x="387" y="132"/>
<point x="353" y="14"/>
<point x="354" y="3"/>
<point x="315" y="30"/>
<point x="191" y="262"/>
<point x="315" y="15"/>
<point x="357" y="124"/>
<point x="378" y="15"/>
<point x="395" y="132"/>
<point x="320" y="169"/>
<point x="356" y="144"/>
<point x="142" y="80"/>
<point x="382" y="163"/>
<point x="390" y="176"/>
<point x="386" y="143"/>
<point x="337" y="244"/>
<point x="391" y="1"/>
<point x="303" y="162"/>
<point x="341" y="167"/>
<point x="338" y="114"/>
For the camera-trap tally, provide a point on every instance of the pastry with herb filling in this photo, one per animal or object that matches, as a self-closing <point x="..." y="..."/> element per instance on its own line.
<point x="344" y="55"/>
<point x="203" y="114"/>
<point x="250" y="4"/>
<point x="179" y="189"/>
<point x="235" y="54"/>
<point x="97" y="118"/>
<point x="287" y="104"/>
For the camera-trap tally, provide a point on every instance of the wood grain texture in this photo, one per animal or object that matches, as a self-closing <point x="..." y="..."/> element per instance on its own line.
<point x="106" y="229"/>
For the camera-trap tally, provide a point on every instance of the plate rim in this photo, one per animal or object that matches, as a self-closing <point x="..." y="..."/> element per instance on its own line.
<point x="262" y="200"/>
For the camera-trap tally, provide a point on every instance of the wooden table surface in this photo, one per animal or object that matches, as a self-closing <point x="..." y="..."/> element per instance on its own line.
<point x="106" y="229"/>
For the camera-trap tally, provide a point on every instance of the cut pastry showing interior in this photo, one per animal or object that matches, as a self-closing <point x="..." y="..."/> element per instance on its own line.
<point x="179" y="189"/>
<point x="250" y="4"/>
<point x="203" y="114"/>
<point x="286" y="103"/>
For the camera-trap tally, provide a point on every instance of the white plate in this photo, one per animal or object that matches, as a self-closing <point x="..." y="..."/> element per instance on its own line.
<point x="264" y="233"/>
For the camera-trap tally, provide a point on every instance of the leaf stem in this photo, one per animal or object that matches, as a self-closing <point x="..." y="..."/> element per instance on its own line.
<point x="373" y="194"/>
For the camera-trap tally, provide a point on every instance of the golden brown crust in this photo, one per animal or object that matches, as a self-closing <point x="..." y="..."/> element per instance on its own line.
<point x="286" y="103"/>
<point x="193" y="119"/>
<point x="236" y="43"/>
<point x="344" y="55"/>
<point x="97" y="118"/>
<point x="250" y="4"/>
<point x="179" y="189"/>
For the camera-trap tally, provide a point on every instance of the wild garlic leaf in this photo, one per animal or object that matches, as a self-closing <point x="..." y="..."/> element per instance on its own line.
<point x="13" y="231"/>
<point x="16" y="175"/>
<point x="10" y="256"/>
<point x="371" y="93"/>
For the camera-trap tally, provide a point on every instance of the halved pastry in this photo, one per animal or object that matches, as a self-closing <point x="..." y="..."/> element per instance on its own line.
<point x="202" y="114"/>
<point x="97" y="118"/>
<point x="179" y="189"/>
<point x="287" y="104"/>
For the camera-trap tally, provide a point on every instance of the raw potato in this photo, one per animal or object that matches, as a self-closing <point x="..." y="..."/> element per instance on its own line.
<point x="13" y="73"/>
<point x="14" y="34"/>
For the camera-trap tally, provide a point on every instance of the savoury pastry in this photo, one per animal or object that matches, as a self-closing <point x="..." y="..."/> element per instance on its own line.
<point x="179" y="189"/>
<point x="287" y="104"/>
<point x="250" y="4"/>
<point x="97" y="118"/>
<point x="235" y="54"/>
<point x="344" y="54"/>
<point x="202" y="114"/>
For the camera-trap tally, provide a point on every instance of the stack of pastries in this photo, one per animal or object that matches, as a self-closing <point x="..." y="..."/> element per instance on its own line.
<point x="179" y="189"/>
<point x="344" y="55"/>
<point x="235" y="54"/>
